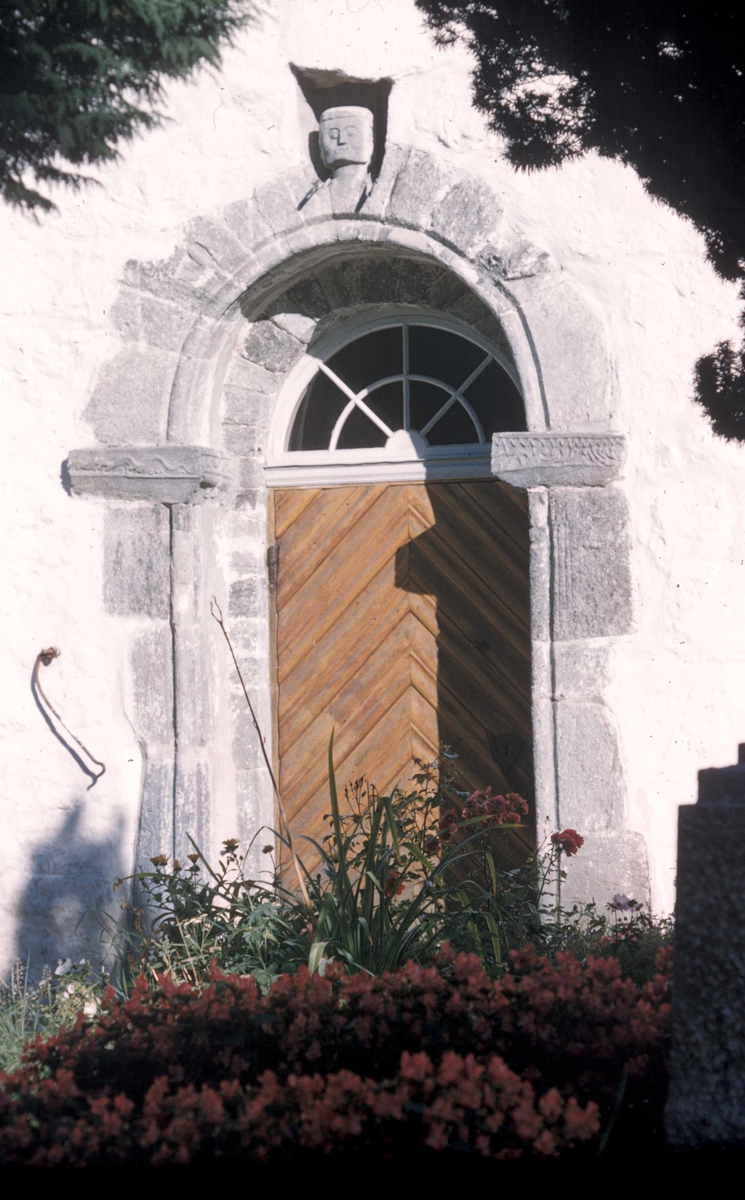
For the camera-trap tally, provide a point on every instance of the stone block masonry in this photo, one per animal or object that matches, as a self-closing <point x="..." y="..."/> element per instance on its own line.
<point x="706" y="1102"/>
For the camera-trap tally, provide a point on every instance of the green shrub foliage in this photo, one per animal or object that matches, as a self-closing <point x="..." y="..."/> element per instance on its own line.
<point x="78" y="76"/>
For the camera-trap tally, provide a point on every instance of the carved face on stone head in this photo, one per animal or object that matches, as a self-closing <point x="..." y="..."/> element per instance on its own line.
<point x="346" y="137"/>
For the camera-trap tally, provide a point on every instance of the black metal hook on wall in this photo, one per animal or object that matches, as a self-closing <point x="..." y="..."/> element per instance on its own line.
<point x="44" y="658"/>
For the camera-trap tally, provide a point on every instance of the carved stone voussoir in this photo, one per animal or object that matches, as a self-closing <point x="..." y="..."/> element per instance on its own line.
<point x="168" y="474"/>
<point x="557" y="459"/>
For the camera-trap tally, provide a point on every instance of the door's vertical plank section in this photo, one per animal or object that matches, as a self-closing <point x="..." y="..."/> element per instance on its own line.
<point x="402" y="622"/>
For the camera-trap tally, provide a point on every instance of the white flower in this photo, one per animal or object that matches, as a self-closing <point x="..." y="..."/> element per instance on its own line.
<point x="63" y="967"/>
<point x="323" y="964"/>
<point x="90" y="1008"/>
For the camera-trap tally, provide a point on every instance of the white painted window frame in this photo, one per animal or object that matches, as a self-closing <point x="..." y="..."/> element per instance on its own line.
<point x="334" y="467"/>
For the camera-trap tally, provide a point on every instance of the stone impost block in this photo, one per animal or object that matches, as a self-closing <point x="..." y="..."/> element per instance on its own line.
<point x="706" y="1101"/>
<point x="557" y="459"/>
<point x="169" y="474"/>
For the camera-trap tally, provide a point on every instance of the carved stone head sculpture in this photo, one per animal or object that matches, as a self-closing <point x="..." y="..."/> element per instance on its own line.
<point x="346" y="137"/>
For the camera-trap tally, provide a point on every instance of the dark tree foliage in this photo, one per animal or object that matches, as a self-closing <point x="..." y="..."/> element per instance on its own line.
<point x="657" y="84"/>
<point x="78" y="76"/>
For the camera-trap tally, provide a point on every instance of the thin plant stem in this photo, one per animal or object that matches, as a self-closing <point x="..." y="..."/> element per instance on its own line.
<point x="217" y="614"/>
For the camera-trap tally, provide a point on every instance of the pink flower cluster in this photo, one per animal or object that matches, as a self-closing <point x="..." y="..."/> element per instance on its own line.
<point x="493" y="810"/>
<point x="499" y="810"/>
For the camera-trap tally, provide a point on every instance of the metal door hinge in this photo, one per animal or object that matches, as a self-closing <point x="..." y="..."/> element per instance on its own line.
<point x="272" y="562"/>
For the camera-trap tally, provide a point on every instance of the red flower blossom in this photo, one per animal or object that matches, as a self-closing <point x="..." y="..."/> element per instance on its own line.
<point x="392" y="886"/>
<point x="568" y="840"/>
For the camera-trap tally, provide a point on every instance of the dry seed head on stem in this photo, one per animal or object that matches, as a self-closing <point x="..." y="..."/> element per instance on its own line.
<point x="217" y="614"/>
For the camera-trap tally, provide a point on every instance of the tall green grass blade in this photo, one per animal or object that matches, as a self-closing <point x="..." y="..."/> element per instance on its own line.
<point x="393" y="829"/>
<point x="317" y="952"/>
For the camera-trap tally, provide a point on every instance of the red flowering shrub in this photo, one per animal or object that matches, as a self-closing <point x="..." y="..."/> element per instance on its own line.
<point x="425" y="1057"/>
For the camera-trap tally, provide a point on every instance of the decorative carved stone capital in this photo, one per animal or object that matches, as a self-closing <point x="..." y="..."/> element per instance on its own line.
<point x="557" y="459"/>
<point x="168" y="474"/>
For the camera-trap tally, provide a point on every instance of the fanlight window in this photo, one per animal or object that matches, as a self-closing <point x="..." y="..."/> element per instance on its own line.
<point x="408" y="383"/>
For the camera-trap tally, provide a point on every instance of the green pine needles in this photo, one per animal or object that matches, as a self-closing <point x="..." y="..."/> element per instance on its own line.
<point x="79" y="76"/>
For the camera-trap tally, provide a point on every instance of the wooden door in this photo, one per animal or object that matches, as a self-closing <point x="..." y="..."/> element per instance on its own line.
<point x="403" y="623"/>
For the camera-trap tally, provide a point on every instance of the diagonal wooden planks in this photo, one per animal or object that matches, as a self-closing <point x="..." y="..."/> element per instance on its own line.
<point x="403" y="623"/>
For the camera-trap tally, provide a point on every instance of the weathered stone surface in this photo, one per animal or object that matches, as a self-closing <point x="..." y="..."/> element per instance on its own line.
<point x="590" y="556"/>
<point x="244" y="597"/>
<point x="590" y="777"/>
<point x="245" y="407"/>
<point x="250" y="375"/>
<point x="570" y="342"/>
<point x="152" y="674"/>
<point x="155" y="833"/>
<point x="607" y="864"/>
<point x="244" y="219"/>
<point x="415" y="191"/>
<point x="540" y="567"/>
<point x="256" y="807"/>
<point x="581" y="669"/>
<point x="181" y="278"/>
<point x="130" y="399"/>
<point x="515" y="259"/>
<point x="361" y="281"/>
<point x="467" y="215"/>
<point x="192" y="809"/>
<point x="246" y="748"/>
<point x="168" y="474"/>
<point x="294" y="323"/>
<point x="706" y="1100"/>
<point x="379" y="199"/>
<point x="551" y="459"/>
<point x="136" y="562"/>
<point x="271" y="347"/>
<point x="141" y="317"/>
<point x="245" y="440"/>
<point x="225" y="251"/>
<point x="308" y="297"/>
<point x="278" y="200"/>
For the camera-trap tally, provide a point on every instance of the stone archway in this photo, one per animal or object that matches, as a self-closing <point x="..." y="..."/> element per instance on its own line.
<point x="175" y="466"/>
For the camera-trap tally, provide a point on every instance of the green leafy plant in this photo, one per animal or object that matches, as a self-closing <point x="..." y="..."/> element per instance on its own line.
<point x="399" y="874"/>
<point x="80" y="76"/>
<point x="29" y="1010"/>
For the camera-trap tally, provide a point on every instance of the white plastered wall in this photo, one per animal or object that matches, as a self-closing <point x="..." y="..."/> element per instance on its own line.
<point x="675" y="683"/>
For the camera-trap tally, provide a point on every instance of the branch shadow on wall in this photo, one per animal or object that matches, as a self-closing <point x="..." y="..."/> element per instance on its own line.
<point x="473" y="561"/>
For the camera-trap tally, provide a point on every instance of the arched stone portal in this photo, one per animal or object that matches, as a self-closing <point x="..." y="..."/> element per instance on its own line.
<point x="182" y="417"/>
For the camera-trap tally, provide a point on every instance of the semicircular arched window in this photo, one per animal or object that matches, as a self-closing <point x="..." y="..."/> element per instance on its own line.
<point x="439" y="387"/>
<point x="415" y="390"/>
